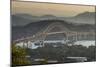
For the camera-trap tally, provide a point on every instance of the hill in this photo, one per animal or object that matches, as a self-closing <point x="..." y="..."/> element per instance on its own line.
<point x="33" y="28"/>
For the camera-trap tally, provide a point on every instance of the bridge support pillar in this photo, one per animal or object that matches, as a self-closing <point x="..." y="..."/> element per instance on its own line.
<point x="29" y="44"/>
<point x="76" y="36"/>
<point x="24" y="45"/>
<point x="67" y="37"/>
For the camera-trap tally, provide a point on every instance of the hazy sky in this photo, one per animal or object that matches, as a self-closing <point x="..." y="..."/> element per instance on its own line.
<point x="38" y="9"/>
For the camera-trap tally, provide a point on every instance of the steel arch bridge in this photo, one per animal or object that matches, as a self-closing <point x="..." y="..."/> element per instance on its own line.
<point x="69" y="35"/>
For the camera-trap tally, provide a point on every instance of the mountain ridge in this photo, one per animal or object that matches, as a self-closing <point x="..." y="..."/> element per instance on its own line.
<point x="24" y="19"/>
<point x="33" y="28"/>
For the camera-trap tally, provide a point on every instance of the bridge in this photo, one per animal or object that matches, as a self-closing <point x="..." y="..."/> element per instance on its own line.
<point x="69" y="35"/>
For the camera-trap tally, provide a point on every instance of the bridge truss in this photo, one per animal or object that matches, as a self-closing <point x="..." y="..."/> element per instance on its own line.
<point x="71" y="36"/>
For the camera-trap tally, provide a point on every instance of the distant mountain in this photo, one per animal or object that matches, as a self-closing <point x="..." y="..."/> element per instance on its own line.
<point x="48" y="16"/>
<point x="35" y="27"/>
<point x="18" y="20"/>
<point x="24" y="19"/>
<point x="26" y="16"/>
<point x="24" y="25"/>
<point x="86" y="18"/>
<point x="86" y="15"/>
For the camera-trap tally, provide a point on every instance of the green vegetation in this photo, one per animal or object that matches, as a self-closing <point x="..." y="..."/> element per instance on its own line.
<point x="19" y="56"/>
<point x="48" y="52"/>
<point x="61" y="52"/>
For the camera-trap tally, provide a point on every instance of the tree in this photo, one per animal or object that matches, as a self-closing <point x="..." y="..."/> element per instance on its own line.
<point x="19" y="56"/>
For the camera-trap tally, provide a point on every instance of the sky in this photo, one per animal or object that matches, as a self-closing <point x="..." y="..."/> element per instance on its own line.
<point x="39" y="9"/>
